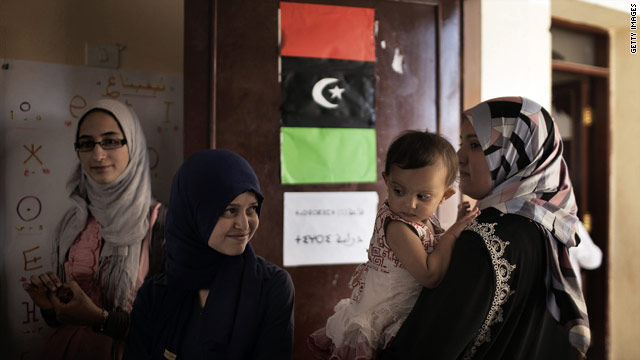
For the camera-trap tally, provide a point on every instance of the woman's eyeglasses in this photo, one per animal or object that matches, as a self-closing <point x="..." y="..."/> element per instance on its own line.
<point x="105" y="144"/>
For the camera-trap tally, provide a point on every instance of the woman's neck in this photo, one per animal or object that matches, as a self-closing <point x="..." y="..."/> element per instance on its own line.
<point x="202" y="296"/>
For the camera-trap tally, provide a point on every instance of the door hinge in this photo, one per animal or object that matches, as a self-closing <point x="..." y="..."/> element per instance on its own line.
<point x="587" y="116"/>
<point x="586" y="221"/>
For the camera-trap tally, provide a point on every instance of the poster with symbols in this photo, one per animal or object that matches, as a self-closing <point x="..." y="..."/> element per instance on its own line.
<point x="40" y="104"/>
<point x="327" y="228"/>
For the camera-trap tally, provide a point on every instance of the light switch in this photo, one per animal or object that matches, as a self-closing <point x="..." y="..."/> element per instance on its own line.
<point x="103" y="55"/>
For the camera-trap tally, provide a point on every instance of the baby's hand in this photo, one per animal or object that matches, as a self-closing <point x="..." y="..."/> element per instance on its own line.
<point x="463" y="209"/>
<point x="464" y="220"/>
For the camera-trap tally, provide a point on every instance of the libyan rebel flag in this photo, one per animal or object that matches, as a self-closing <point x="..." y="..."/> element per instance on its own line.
<point x="328" y="81"/>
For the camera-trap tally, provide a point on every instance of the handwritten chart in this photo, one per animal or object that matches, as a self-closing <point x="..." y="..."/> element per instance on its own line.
<point x="322" y="228"/>
<point x="40" y="105"/>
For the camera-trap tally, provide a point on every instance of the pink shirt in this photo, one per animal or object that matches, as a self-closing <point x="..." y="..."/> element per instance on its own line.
<point x="81" y="342"/>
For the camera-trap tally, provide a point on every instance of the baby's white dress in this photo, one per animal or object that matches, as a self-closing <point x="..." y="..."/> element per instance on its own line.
<point x="383" y="295"/>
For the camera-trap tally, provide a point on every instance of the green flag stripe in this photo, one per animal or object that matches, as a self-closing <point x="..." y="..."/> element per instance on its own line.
<point x="327" y="155"/>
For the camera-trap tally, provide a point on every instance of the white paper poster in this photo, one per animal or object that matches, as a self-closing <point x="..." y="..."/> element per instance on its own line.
<point x="324" y="228"/>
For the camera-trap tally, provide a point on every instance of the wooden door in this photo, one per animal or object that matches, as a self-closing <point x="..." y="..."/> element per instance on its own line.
<point x="571" y="98"/>
<point x="232" y="99"/>
<point x="586" y="156"/>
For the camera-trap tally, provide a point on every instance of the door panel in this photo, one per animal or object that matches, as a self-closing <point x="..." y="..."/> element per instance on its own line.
<point x="579" y="95"/>
<point x="405" y="100"/>
<point x="242" y="113"/>
<point x="570" y="99"/>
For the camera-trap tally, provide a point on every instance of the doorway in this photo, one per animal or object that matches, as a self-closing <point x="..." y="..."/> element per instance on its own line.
<point x="580" y="97"/>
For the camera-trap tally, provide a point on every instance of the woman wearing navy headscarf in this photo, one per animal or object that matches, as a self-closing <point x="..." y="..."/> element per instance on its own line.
<point x="216" y="299"/>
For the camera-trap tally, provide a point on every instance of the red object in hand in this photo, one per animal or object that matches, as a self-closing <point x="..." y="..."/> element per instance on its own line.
<point x="64" y="294"/>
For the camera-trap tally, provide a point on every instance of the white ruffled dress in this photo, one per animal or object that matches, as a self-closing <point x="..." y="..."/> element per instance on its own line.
<point x="383" y="295"/>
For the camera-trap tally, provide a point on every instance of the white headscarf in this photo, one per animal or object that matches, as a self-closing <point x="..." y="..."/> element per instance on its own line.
<point x="121" y="207"/>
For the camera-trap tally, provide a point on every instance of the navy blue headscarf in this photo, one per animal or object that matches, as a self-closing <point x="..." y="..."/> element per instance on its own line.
<point x="201" y="190"/>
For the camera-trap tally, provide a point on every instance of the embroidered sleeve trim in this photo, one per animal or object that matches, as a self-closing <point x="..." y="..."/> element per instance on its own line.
<point x="502" y="272"/>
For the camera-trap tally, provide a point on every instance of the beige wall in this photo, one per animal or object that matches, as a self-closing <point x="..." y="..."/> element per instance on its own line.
<point x="625" y="196"/>
<point x="501" y="56"/>
<point x="517" y="61"/>
<point x="505" y="55"/>
<point x="624" y="304"/>
<point x="56" y="31"/>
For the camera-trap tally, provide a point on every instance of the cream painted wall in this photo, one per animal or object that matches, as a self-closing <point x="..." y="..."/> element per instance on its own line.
<point x="624" y="267"/>
<point x="502" y="56"/>
<point x="56" y="31"/>
<point x="625" y="197"/>
<point x="505" y="54"/>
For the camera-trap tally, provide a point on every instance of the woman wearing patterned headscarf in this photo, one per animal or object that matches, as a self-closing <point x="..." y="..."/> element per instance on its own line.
<point x="510" y="292"/>
<point x="216" y="299"/>
<point x="103" y="242"/>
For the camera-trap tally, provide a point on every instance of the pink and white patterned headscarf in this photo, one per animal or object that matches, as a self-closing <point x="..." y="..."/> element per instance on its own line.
<point x="530" y="178"/>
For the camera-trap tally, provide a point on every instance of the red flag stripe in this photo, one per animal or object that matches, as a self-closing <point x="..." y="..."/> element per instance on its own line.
<point x="325" y="31"/>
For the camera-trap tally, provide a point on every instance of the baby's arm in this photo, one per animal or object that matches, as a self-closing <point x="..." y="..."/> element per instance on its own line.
<point x="428" y="270"/>
<point x="465" y="217"/>
<point x="463" y="208"/>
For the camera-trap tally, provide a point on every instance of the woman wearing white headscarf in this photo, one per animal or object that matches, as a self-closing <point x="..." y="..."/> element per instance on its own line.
<point x="103" y="242"/>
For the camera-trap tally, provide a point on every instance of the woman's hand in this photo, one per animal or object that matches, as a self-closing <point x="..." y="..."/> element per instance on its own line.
<point x="41" y="288"/>
<point x="79" y="310"/>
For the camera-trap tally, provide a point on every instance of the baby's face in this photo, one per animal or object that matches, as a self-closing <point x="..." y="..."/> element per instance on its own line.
<point x="414" y="194"/>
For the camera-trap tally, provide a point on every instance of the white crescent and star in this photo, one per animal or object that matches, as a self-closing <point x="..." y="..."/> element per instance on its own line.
<point x="336" y="92"/>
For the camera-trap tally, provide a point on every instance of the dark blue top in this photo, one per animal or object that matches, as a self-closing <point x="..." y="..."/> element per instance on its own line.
<point x="248" y="312"/>
<point x="274" y="328"/>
